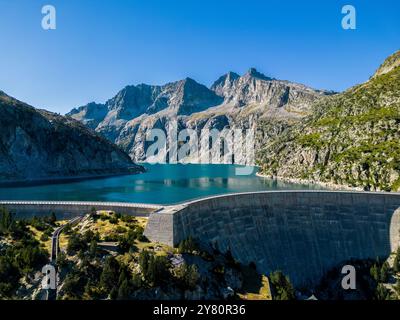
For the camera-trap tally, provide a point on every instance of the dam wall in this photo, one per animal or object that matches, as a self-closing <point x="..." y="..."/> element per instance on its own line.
<point x="71" y="209"/>
<point x="302" y="233"/>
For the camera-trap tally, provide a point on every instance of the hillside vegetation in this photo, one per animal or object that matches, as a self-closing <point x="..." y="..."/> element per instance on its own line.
<point x="351" y="139"/>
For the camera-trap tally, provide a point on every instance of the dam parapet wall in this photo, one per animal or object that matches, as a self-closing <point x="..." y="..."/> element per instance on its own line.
<point x="70" y="209"/>
<point x="302" y="233"/>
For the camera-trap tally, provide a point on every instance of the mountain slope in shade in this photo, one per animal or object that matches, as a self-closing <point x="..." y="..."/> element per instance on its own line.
<point x="352" y="138"/>
<point x="233" y="101"/>
<point x="37" y="144"/>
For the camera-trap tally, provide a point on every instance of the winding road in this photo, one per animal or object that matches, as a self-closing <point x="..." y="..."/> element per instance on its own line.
<point x="55" y="239"/>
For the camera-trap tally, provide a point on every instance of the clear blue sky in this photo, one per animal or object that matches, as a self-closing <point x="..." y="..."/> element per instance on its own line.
<point x="101" y="46"/>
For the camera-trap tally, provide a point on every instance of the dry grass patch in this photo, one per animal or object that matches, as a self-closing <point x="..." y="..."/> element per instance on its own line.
<point x="158" y="248"/>
<point x="38" y="236"/>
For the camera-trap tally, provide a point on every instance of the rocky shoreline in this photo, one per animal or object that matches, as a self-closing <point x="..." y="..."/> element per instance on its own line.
<point x="328" y="185"/>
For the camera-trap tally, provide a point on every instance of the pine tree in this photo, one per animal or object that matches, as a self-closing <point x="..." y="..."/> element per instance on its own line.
<point x="124" y="290"/>
<point x="53" y="218"/>
<point x="92" y="212"/>
<point x="136" y="281"/>
<point x="61" y="260"/>
<point x="114" y="293"/>
<point x="88" y="290"/>
<point x="187" y="246"/>
<point x="144" y="258"/>
<point x="382" y="293"/>
<point x="93" y="248"/>
<point x="123" y="276"/>
<point x="396" y="263"/>
<point x="192" y="276"/>
<point x="384" y="273"/>
<point x="187" y="276"/>
<point x="374" y="273"/>
<point x="110" y="274"/>
<point x="284" y="289"/>
<point x="6" y="220"/>
<point x="397" y="288"/>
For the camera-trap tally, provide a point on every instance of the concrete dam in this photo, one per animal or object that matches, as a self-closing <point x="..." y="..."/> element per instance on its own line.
<point x="71" y="209"/>
<point x="302" y="233"/>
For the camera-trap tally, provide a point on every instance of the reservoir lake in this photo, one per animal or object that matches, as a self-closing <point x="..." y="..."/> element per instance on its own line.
<point x="160" y="184"/>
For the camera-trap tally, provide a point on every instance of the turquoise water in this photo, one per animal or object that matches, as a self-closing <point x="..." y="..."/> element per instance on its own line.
<point x="161" y="184"/>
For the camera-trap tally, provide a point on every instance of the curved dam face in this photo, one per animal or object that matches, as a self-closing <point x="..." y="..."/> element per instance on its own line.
<point x="302" y="233"/>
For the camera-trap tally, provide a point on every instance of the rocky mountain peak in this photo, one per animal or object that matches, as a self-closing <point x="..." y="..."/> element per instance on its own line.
<point x="255" y="88"/>
<point x="92" y="114"/>
<point x="230" y="101"/>
<point x="253" y="73"/>
<point x="389" y="64"/>
<point x="190" y="81"/>
<point x="232" y="75"/>
<point x="5" y="98"/>
<point x="132" y="101"/>
<point x="189" y="96"/>
<point x="223" y="81"/>
<point x="188" y="85"/>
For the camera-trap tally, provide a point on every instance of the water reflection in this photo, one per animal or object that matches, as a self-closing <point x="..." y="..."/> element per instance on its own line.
<point x="161" y="184"/>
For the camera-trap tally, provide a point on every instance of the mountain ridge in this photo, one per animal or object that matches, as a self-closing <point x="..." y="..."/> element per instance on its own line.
<point x="231" y="101"/>
<point x="36" y="144"/>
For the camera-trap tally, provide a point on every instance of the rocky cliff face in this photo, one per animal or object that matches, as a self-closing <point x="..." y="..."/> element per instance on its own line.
<point x="233" y="101"/>
<point x="389" y="64"/>
<point x="268" y="95"/>
<point x="352" y="138"/>
<point x="36" y="144"/>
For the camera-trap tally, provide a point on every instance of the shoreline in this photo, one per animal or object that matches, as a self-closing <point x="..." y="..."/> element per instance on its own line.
<point x="329" y="185"/>
<point x="61" y="179"/>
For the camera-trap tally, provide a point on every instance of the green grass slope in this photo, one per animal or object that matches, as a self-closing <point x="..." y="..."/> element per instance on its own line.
<point x="351" y="138"/>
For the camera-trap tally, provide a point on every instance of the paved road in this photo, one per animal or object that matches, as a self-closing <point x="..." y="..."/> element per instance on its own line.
<point x="52" y="294"/>
<point x="55" y="239"/>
